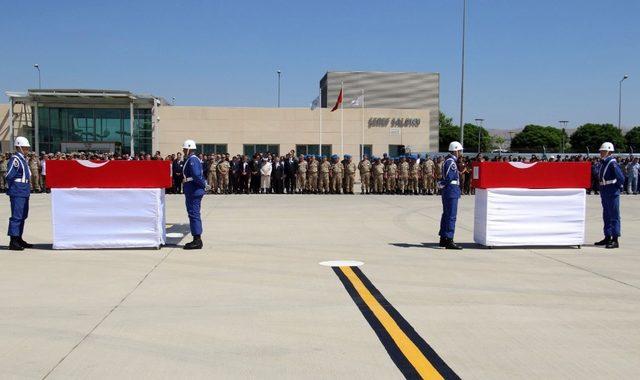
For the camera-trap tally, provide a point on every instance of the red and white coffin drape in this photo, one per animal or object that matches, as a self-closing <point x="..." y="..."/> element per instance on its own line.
<point x="520" y="204"/>
<point x="110" y="204"/>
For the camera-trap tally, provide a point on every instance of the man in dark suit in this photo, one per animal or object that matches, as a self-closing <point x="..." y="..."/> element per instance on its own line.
<point x="177" y="167"/>
<point x="277" y="176"/>
<point x="290" y="169"/>
<point x="245" y="175"/>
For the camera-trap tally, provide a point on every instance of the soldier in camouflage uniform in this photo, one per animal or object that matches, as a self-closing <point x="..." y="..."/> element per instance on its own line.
<point x="34" y="167"/>
<point x="428" y="175"/>
<point x="365" y="175"/>
<point x="301" y="175"/>
<point x="378" y="176"/>
<point x="337" y="174"/>
<point x="222" y="169"/>
<point x="414" y="176"/>
<point x="403" y="175"/>
<point x="349" y="173"/>
<point x="312" y="175"/>
<point x="3" y="172"/>
<point x="392" y="177"/>
<point x="325" y="170"/>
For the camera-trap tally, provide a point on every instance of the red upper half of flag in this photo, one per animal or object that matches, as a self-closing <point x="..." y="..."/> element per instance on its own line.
<point x="338" y="102"/>
<point x="538" y="175"/>
<point x="108" y="174"/>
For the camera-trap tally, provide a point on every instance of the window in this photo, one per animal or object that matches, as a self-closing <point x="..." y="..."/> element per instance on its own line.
<point x="396" y="150"/>
<point x="368" y="150"/>
<point x="314" y="149"/>
<point x="251" y="149"/>
<point x="213" y="148"/>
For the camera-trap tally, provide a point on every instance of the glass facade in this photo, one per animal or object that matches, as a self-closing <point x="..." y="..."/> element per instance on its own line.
<point x="58" y="125"/>
<point x="213" y="148"/>
<point x="251" y="149"/>
<point x="305" y="149"/>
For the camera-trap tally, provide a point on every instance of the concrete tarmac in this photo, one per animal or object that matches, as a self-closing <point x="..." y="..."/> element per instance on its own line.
<point x="255" y="303"/>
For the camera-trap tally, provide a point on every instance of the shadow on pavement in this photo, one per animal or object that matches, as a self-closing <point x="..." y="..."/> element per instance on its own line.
<point x="176" y="229"/>
<point x="436" y="245"/>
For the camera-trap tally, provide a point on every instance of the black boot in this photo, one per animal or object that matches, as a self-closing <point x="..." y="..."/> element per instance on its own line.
<point x="24" y="243"/>
<point x="443" y="242"/>
<point x="613" y="243"/>
<point x="605" y="241"/>
<point x="195" y="244"/>
<point x="14" y="244"/>
<point x="451" y="245"/>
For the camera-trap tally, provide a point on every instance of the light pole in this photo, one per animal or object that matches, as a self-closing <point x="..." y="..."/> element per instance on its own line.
<point x="479" y="123"/>
<point x="564" y="128"/>
<point x="620" y="102"/>
<point x="464" y="29"/>
<point x="39" y="77"/>
<point x="279" y="75"/>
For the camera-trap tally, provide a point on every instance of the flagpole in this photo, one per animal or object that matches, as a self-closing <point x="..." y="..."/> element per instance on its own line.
<point x="342" y="120"/>
<point x="362" y="147"/>
<point x="320" y="97"/>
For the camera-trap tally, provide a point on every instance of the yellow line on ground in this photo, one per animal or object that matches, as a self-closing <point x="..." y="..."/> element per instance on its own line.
<point x="406" y="346"/>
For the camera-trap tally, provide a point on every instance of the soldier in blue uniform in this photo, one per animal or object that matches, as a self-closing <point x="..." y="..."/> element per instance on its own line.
<point x="611" y="180"/>
<point x="18" y="189"/>
<point x="450" y="185"/>
<point x="194" y="189"/>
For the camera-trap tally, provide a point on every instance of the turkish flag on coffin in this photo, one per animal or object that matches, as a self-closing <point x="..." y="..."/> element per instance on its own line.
<point x="108" y="174"/>
<point x="536" y="175"/>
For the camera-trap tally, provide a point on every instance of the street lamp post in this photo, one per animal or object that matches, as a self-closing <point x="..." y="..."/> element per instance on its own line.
<point x="564" y="128"/>
<point x="620" y="102"/>
<point x="464" y="29"/>
<point x="39" y="77"/>
<point x="279" y="75"/>
<point x="479" y="123"/>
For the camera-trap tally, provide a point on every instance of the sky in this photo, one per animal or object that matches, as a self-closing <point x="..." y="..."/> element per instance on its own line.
<point x="527" y="61"/>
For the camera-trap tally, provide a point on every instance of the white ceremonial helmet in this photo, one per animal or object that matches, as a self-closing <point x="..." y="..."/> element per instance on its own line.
<point x="455" y="146"/>
<point x="189" y="144"/>
<point x="607" y="147"/>
<point x="22" y="141"/>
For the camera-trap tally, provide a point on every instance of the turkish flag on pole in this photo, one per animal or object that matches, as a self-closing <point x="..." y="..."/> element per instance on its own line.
<point x="338" y="102"/>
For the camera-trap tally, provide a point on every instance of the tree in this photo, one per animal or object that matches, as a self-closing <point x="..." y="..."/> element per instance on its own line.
<point x="448" y="132"/>
<point x="591" y="136"/>
<point x="536" y="138"/>
<point x="632" y="138"/>
<point x="471" y="132"/>
<point x="498" y="142"/>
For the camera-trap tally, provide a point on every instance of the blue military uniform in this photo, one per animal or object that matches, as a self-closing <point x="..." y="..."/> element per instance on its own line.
<point x="450" y="184"/>
<point x="18" y="189"/>
<point x="611" y="181"/>
<point x="194" y="189"/>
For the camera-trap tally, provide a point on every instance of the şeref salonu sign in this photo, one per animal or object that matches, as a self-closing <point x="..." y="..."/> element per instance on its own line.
<point x="388" y="122"/>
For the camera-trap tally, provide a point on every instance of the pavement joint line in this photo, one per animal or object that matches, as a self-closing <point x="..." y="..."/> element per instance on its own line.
<point x="577" y="267"/>
<point x="409" y="351"/>
<point x="108" y="314"/>
<point x="115" y="307"/>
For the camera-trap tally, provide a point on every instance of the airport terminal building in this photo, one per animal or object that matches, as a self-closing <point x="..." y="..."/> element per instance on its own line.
<point x="381" y="113"/>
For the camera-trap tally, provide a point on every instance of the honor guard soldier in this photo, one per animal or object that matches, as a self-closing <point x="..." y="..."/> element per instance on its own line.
<point x="392" y="175"/>
<point x="18" y="189"/>
<point x="611" y="180"/>
<point x="450" y="185"/>
<point x="365" y="175"/>
<point x="194" y="188"/>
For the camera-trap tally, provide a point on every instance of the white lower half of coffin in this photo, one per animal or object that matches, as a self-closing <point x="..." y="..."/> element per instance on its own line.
<point x="517" y="217"/>
<point x="107" y="218"/>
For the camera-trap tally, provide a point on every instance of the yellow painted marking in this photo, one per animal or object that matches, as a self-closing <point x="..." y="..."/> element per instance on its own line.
<point x="407" y="347"/>
<point x="169" y="225"/>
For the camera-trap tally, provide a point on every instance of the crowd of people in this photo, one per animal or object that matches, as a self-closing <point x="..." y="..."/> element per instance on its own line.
<point x="267" y="173"/>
